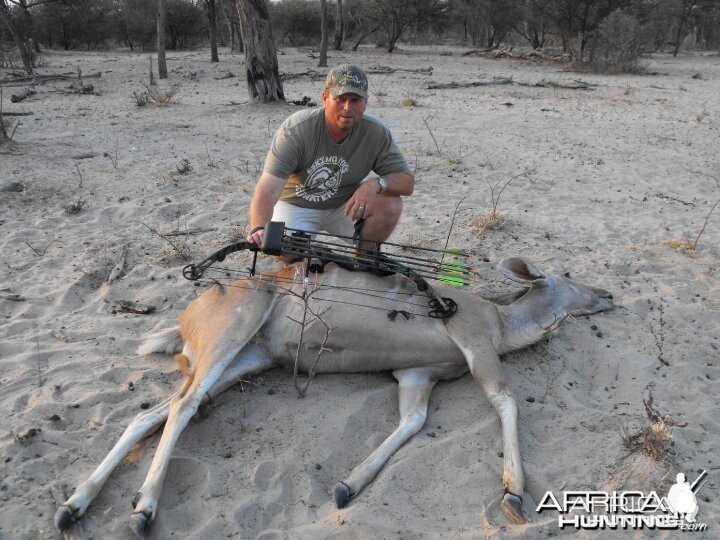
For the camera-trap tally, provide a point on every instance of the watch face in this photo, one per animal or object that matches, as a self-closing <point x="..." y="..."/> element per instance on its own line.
<point x="383" y="184"/>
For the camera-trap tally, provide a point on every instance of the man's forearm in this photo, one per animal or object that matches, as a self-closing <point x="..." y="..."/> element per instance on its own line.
<point x="261" y="209"/>
<point x="267" y="192"/>
<point x="399" y="183"/>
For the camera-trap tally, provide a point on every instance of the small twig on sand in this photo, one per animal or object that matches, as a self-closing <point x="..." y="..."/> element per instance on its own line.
<point x="452" y="224"/>
<point x="188" y="232"/>
<point x="211" y="162"/>
<point x="701" y="173"/>
<point x="697" y="238"/>
<point x="80" y="185"/>
<point x="182" y="251"/>
<point x="437" y="146"/>
<point x="39" y="362"/>
<point x="119" y="266"/>
<point x="39" y="253"/>
<point x="659" y="335"/>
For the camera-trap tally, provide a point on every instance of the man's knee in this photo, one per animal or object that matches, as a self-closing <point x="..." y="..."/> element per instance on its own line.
<point x="391" y="208"/>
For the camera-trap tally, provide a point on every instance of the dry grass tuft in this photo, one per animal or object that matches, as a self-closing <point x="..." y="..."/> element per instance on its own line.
<point x="156" y="94"/>
<point x="654" y="439"/>
<point x="75" y="207"/>
<point x="490" y="221"/>
<point x="681" y="245"/>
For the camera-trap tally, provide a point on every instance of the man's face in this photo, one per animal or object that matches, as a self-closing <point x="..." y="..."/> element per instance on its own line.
<point x="343" y="112"/>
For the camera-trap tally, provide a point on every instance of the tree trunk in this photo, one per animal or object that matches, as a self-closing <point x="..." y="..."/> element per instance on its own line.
<point x="261" y="64"/>
<point x="339" y="27"/>
<point x="212" y="19"/>
<point x="323" y="34"/>
<point x="21" y="43"/>
<point x="162" y="63"/>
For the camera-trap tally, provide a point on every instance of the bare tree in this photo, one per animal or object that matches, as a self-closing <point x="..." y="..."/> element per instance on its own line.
<point x="323" y="34"/>
<point x="162" y="63"/>
<point x="229" y="11"/>
<point x="578" y="19"/>
<point x="7" y="18"/>
<point x="395" y="16"/>
<point x="210" y="6"/>
<point x="532" y="23"/>
<point x="261" y="64"/>
<point x="339" y="28"/>
<point x="684" y="12"/>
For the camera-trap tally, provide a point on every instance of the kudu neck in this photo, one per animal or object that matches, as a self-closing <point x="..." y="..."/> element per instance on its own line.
<point x="529" y="318"/>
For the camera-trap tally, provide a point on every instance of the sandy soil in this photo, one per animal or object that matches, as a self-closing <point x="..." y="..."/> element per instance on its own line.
<point x="609" y="195"/>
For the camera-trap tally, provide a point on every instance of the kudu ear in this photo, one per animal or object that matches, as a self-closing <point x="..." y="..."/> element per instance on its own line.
<point x="518" y="269"/>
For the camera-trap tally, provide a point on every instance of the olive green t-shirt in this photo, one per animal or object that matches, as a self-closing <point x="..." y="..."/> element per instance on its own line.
<point x="322" y="173"/>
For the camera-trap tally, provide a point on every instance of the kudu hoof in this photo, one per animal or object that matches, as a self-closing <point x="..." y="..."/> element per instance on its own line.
<point x="139" y="523"/>
<point x="64" y="516"/>
<point x="512" y="508"/>
<point x="341" y="494"/>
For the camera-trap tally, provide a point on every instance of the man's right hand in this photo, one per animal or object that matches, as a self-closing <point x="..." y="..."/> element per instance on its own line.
<point x="256" y="236"/>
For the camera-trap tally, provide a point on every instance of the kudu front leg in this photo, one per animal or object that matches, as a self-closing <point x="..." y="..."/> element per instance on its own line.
<point x="485" y="367"/>
<point x="250" y="360"/>
<point x="415" y="386"/>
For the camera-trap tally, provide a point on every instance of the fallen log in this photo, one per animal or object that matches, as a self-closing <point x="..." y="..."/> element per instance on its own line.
<point x="453" y="84"/>
<point x="5" y="113"/>
<point x="43" y="78"/>
<point x="477" y="51"/>
<point x="29" y="91"/>
<point x="384" y="70"/>
<point x="309" y="73"/>
<point x="574" y="84"/>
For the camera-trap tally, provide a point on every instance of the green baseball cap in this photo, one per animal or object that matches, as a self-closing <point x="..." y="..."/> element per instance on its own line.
<point x="347" y="79"/>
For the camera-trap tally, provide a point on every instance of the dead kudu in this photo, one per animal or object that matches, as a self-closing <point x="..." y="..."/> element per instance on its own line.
<point x="233" y="331"/>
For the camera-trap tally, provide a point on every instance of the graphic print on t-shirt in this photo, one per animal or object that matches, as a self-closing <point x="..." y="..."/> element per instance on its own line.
<point x="323" y="179"/>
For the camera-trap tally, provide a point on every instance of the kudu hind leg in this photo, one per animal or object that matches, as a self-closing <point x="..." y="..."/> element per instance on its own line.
<point x="249" y="361"/>
<point x="141" y="426"/>
<point x="415" y="386"/>
<point x="182" y="409"/>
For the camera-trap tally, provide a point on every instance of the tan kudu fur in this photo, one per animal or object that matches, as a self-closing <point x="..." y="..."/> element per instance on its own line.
<point x="237" y="330"/>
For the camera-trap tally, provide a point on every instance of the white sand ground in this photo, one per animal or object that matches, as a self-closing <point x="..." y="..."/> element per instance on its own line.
<point x="610" y="187"/>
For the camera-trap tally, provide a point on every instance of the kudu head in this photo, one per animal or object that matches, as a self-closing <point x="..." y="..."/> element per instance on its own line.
<point x="560" y="294"/>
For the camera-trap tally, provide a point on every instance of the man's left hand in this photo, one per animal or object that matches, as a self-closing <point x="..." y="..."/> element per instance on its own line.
<point x="360" y="205"/>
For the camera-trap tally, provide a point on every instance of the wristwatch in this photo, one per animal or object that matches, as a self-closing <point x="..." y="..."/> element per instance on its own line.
<point x="383" y="184"/>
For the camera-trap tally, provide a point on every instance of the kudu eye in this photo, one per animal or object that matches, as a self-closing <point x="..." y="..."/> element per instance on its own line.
<point x="567" y="275"/>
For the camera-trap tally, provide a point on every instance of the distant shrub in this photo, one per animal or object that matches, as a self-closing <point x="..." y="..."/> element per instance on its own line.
<point x="618" y="44"/>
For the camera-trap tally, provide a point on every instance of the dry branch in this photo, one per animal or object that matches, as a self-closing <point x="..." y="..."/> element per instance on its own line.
<point x="190" y="231"/>
<point x="573" y="84"/>
<point x="383" y="70"/>
<point x="44" y="78"/>
<point x="480" y="52"/>
<point x="453" y="84"/>
<point x="313" y="74"/>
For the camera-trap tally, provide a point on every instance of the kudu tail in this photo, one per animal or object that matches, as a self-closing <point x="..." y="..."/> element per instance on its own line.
<point x="165" y="341"/>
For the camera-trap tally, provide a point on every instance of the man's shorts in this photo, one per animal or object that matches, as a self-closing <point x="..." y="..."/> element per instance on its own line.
<point x="332" y="220"/>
